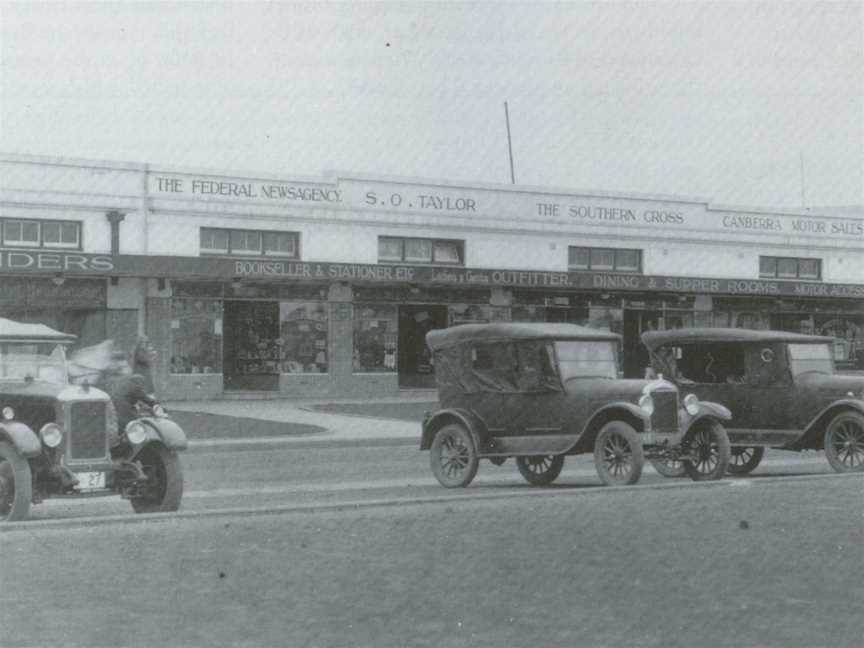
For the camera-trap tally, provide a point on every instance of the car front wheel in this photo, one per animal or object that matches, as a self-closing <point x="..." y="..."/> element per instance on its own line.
<point x="16" y="484"/>
<point x="453" y="457"/>
<point x="844" y="442"/>
<point x="163" y="489"/>
<point x="540" y="471"/>
<point x="618" y="454"/>
<point x="744" y="459"/>
<point x="707" y="449"/>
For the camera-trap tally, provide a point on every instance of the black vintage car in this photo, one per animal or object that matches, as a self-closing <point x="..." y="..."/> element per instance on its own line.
<point x="781" y="388"/>
<point x="58" y="439"/>
<point x="539" y="392"/>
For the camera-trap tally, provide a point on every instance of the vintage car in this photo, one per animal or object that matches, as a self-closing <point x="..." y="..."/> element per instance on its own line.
<point x="540" y="392"/>
<point x="781" y="388"/>
<point x="58" y="439"/>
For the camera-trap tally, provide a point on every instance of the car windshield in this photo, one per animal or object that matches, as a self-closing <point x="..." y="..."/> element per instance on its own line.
<point x="45" y="362"/>
<point x="810" y="357"/>
<point x="583" y="359"/>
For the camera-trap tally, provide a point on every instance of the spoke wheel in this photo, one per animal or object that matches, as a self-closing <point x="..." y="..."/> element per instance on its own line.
<point x="453" y="457"/>
<point x="744" y="459"/>
<point x="542" y="470"/>
<point x="669" y="467"/>
<point x="618" y="454"/>
<point x="16" y="484"/>
<point x="844" y="442"/>
<point x="164" y="488"/>
<point x="708" y="446"/>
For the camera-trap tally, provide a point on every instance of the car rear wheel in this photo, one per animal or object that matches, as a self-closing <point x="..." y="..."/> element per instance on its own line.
<point x="844" y="442"/>
<point x="542" y="470"/>
<point x="669" y="467"/>
<point x="618" y="454"/>
<point x="744" y="459"/>
<point x="453" y="457"/>
<point x="16" y="484"/>
<point x="708" y="446"/>
<point x="164" y="487"/>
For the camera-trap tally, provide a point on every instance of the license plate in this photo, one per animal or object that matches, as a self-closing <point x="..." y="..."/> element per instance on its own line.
<point x="90" y="480"/>
<point x="647" y="438"/>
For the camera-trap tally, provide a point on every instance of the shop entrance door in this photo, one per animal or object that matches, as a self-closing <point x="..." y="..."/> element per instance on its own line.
<point x="251" y="351"/>
<point x="415" y="360"/>
<point x="635" y="360"/>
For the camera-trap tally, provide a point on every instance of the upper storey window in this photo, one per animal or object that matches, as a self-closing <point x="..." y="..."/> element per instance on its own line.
<point x="395" y="249"/>
<point x="250" y="242"/>
<point x="789" y="268"/>
<point x="40" y="233"/>
<point x="605" y="259"/>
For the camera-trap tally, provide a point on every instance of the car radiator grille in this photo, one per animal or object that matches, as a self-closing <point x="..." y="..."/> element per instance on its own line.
<point x="87" y="430"/>
<point x="665" y="415"/>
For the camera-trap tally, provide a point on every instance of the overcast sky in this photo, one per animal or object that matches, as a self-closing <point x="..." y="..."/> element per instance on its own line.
<point x="718" y="100"/>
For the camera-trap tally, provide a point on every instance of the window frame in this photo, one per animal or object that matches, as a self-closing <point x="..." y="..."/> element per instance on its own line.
<point x="262" y="251"/>
<point x="616" y="259"/>
<point x="434" y="243"/>
<point x="775" y="262"/>
<point x="40" y="242"/>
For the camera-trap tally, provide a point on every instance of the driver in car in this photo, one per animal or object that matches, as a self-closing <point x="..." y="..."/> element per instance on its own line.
<point x="125" y="389"/>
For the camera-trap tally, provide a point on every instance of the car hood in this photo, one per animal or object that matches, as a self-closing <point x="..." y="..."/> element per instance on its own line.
<point x="837" y="385"/>
<point x="43" y="390"/>
<point x="629" y="390"/>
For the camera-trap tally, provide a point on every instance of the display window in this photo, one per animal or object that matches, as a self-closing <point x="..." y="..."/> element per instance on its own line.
<point x="303" y="336"/>
<point x="196" y="336"/>
<point x="477" y="314"/>
<point x="376" y="338"/>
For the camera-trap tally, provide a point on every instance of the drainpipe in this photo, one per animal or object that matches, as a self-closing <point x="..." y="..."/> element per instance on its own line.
<point x="115" y="218"/>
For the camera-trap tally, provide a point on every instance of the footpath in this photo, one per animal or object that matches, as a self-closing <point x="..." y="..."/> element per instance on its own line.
<point x="214" y="425"/>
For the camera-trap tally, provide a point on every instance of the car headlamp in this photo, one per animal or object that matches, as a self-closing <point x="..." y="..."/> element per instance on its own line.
<point x="8" y="413"/>
<point x="647" y="404"/>
<point x="135" y="432"/>
<point x="51" y="435"/>
<point x="691" y="404"/>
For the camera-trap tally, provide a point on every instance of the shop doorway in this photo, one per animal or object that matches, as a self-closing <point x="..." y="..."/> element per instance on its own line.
<point x="251" y="345"/>
<point x="635" y="360"/>
<point x="415" y="361"/>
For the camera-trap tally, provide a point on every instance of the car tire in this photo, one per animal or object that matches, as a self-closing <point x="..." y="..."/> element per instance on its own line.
<point x="669" y="467"/>
<point x="711" y="444"/>
<point x="16" y="484"/>
<point x="744" y="459"/>
<point x="844" y="442"/>
<point x="540" y="470"/>
<point x="164" y="488"/>
<point x="618" y="454"/>
<point x="453" y="456"/>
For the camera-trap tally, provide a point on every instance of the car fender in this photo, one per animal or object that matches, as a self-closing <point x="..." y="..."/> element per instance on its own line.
<point x="165" y="431"/>
<point x="442" y="417"/>
<point x="616" y="410"/>
<point x="813" y="432"/>
<point x="25" y="440"/>
<point x="712" y="409"/>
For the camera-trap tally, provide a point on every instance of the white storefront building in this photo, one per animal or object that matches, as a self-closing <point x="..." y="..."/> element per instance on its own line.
<point x="327" y="286"/>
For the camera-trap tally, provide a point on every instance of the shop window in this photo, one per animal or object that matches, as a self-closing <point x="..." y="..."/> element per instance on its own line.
<point x="41" y="233"/>
<point x="375" y="338"/>
<point x="790" y="268"/>
<point x="605" y="259"/>
<point x="303" y="337"/>
<point x="196" y="336"/>
<point x="249" y="242"/>
<point x="418" y="250"/>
